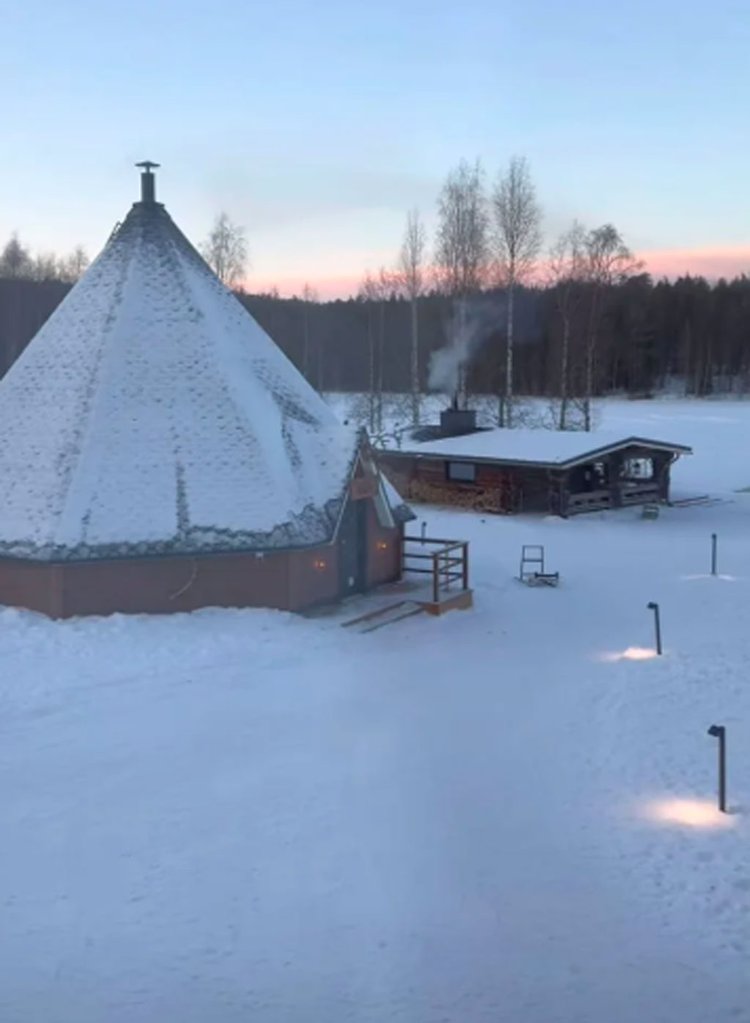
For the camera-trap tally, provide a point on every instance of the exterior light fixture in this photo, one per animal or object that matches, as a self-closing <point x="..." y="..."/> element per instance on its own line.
<point x="319" y="563"/>
<point x="382" y="545"/>
<point x="653" y="606"/>
<point x="719" y="732"/>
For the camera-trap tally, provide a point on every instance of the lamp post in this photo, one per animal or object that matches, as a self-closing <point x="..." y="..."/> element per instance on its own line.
<point x="713" y="553"/>
<point x="719" y="732"/>
<point x="652" y="606"/>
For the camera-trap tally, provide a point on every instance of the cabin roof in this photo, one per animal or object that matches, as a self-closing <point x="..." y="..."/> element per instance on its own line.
<point x="401" y="510"/>
<point x="554" y="449"/>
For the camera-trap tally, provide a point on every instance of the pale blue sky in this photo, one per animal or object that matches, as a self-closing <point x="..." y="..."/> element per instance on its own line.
<point x="318" y="125"/>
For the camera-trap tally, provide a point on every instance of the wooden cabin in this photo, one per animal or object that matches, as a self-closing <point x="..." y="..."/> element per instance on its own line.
<point x="507" y="471"/>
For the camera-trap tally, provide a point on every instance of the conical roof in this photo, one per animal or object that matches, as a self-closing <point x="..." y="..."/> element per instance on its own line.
<point x="152" y="413"/>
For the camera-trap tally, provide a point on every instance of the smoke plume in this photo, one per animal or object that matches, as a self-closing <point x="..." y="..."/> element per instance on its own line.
<point x="471" y="324"/>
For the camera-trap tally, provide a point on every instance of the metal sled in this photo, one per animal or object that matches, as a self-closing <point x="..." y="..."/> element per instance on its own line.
<point x="532" y="571"/>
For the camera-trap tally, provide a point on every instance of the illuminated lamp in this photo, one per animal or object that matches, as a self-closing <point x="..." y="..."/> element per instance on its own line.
<point x="719" y="732"/>
<point x="653" y="606"/>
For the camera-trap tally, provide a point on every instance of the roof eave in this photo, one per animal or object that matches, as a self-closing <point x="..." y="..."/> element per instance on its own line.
<point x="568" y="463"/>
<point x="656" y="445"/>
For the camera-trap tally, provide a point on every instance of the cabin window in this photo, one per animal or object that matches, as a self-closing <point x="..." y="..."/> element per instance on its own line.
<point x="461" y="472"/>
<point x="638" y="469"/>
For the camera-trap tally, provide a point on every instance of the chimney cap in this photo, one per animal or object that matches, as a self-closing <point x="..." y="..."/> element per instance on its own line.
<point x="148" y="181"/>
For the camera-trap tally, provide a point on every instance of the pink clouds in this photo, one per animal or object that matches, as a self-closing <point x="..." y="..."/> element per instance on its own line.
<point x="342" y="286"/>
<point x="712" y="261"/>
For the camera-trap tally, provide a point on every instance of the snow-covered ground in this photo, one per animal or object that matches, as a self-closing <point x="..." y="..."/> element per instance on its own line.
<point x="499" y="815"/>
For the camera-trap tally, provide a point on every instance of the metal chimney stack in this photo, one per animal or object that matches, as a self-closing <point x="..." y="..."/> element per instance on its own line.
<point x="148" y="181"/>
<point x="456" y="421"/>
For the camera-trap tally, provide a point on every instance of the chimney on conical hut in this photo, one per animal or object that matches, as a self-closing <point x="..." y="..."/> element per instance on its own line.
<point x="148" y="180"/>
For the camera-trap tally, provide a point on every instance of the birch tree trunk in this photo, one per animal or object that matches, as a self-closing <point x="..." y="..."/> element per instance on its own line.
<point x="590" y="357"/>
<point x="306" y="343"/>
<point x="564" y="356"/>
<point x="509" y="357"/>
<point x="381" y="352"/>
<point x="371" y="349"/>
<point x="518" y="239"/>
<point x="415" y="396"/>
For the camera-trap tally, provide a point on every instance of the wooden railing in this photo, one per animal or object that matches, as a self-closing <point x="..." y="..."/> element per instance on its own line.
<point x="588" y="500"/>
<point x="638" y="493"/>
<point x="447" y="563"/>
<point x="630" y="492"/>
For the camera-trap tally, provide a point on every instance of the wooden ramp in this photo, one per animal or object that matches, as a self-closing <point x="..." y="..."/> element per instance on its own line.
<point x="415" y="600"/>
<point x="382" y="616"/>
<point x="693" y="502"/>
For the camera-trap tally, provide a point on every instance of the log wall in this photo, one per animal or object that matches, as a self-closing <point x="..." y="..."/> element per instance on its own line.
<point x="504" y="489"/>
<point x="496" y="489"/>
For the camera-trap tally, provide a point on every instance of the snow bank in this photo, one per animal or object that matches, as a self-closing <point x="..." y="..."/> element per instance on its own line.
<point x="236" y="816"/>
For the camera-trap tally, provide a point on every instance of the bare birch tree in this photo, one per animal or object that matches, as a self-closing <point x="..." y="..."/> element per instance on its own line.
<point x="225" y="251"/>
<point x="15" y="259"/>
<point x="73" y="266"/>
<point x="567" y="271"/>
<point x="608" y="262"/>
<point x="387" y="288"/>
<point x="45" y="266"/>
<point x="518" y="239"/>
<point x="309" y="297"/>
<point x="369" y="295"/>
<point x="462" y="248"/>
<point x="411" y="276"/>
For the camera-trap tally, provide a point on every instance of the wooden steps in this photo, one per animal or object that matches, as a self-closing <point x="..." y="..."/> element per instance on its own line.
<point x="399" y="610"/>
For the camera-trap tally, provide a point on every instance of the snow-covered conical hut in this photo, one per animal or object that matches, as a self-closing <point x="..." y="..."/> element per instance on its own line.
<point x="160" y="453"/>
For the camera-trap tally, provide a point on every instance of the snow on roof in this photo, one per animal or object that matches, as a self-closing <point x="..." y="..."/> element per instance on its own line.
<point x="152" y="413"/>
<point x="543" y="447"/>
<point x="399" y="507"/>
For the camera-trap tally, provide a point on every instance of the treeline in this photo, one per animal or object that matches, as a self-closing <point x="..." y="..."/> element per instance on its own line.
<point x="650" y="333"/>
<point x="571" y="320"/>
<point x="18" y="262"/>
<point x="480" y="307"/>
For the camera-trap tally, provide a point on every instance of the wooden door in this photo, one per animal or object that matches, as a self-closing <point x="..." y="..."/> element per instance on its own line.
<point x="353" y="548"/>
